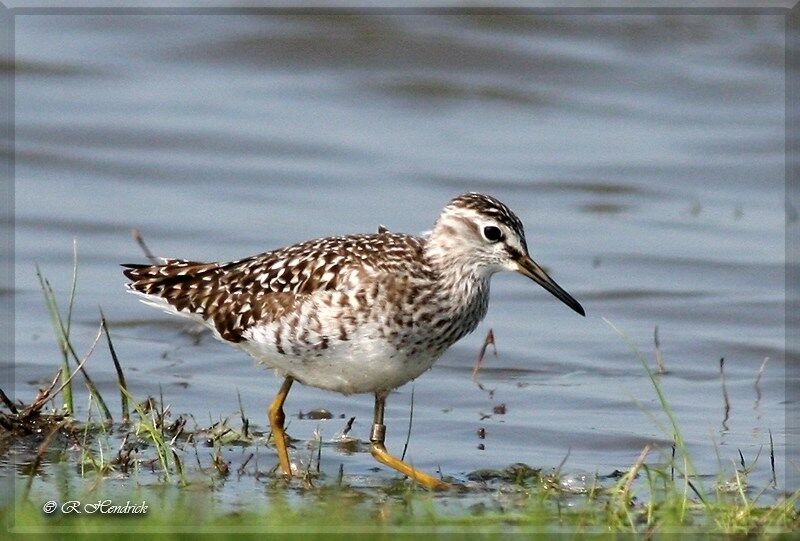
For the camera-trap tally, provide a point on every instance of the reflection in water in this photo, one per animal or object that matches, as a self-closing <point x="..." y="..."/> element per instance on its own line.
<point x="726" y="401"/>
<point x="757" y="386"/>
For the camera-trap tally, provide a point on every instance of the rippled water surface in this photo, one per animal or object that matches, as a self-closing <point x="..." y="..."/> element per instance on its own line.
<point x="643" y="153"/>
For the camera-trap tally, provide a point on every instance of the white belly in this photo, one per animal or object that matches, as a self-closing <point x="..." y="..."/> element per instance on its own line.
<point x="365" y="363"/>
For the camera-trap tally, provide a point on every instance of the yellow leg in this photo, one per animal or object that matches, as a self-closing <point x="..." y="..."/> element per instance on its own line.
<point x="276" y="419"/>
<point x="378" y="450"/>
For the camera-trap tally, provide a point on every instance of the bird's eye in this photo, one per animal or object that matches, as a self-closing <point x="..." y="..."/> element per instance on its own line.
<point x="492" y="233"/>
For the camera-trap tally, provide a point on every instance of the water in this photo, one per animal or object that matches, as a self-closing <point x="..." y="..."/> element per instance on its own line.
<point x="643" y="153"/>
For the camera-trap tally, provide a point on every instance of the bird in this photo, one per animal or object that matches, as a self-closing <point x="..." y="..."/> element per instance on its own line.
<point x="362" y="313"/>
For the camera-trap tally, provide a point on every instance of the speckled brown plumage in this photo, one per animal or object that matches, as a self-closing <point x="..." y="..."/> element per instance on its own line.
<point x="264" y="288"/>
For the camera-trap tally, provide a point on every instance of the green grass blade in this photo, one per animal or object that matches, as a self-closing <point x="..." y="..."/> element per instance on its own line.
<point x="52" y="309"/>
<point x="73" y="286"/>
<point x="117" y="367"/>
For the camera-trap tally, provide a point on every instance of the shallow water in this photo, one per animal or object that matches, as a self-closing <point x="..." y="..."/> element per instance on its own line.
<point x="643" y="153"/>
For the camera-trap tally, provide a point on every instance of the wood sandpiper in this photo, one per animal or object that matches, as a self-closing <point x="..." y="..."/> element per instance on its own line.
<point x="357" y="313"/>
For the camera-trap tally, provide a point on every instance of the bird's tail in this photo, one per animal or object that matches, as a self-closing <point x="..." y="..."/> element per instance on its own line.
<point x="184" y="286"/>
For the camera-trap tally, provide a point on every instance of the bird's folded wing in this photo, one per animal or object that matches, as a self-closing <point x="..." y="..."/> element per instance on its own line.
<point x="263" y="288"/>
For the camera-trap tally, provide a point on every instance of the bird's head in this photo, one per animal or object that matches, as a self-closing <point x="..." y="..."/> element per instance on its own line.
<point x="483" y="236"/>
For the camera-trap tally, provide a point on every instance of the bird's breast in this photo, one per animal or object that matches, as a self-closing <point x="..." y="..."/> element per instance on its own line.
<point x="368" y="340"/>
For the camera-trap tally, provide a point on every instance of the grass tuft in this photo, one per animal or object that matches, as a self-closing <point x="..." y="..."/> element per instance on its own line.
<point x="62" y="332"/>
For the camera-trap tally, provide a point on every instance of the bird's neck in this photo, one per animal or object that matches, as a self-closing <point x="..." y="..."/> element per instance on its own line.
<point x="462" y="284"/>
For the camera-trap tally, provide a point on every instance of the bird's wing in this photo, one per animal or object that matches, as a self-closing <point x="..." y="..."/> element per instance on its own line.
<point x="262" y="288"/>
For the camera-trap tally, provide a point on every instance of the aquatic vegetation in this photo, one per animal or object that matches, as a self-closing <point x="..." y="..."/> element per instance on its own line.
<point x="175" y="465"/>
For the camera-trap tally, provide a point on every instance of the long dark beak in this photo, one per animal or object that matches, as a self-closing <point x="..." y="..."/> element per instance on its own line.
<point x="532" y="270"/>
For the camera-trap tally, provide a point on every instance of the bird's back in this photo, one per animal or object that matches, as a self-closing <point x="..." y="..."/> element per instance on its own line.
<point x="233" y="297"/>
